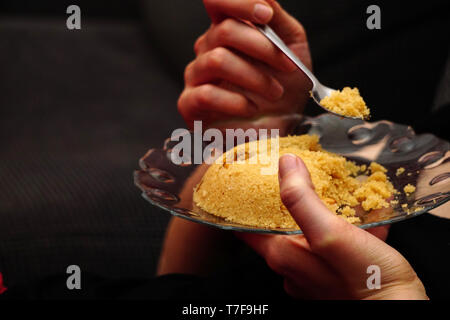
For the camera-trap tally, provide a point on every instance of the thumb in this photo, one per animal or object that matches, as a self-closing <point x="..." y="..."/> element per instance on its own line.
<point x="303" y="203"/>
<point x="344" y="246"/>
<point x="257" y="11"/>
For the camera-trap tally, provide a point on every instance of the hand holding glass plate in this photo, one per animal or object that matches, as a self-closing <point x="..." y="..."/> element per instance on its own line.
<point x="425" y="158"/>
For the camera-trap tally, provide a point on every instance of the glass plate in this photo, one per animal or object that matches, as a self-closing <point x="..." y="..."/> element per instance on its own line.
<point x="426" y="160"/>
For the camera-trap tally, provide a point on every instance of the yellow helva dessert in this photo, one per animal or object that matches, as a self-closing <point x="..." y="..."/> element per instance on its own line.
<point x="409" y="188"/>
<point x="399" y="171"/>
<point x="240" y="193"/>
<point x="347" y="102"/>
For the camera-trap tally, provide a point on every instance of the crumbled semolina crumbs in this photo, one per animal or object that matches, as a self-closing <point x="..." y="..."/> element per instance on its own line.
<point x="409" y="188"/>
<point x="239" y="192"/>
<point x="399" y="171"/>
<point x="347" y="102"/>
<point x="410" y="210"/>
<point x="417" y="209"/>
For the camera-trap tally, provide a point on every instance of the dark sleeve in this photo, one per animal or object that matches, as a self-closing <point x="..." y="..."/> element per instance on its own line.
<point x="248" y="278"/>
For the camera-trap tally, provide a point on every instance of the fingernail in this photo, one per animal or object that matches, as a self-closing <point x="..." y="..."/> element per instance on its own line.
<point x="276" y="89"/>
<point x="287" y="163"/>
<point x="262" y="13"/>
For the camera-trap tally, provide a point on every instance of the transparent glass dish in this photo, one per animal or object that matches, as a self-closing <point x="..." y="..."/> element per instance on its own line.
<point x="425" y="158"/>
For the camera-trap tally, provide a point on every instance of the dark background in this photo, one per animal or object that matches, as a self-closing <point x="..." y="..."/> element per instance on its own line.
<point x="79" y="108"/>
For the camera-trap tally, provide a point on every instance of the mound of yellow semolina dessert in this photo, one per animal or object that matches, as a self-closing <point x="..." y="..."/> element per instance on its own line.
<point x="240" y="193"/>
<point x="347" y="102"/>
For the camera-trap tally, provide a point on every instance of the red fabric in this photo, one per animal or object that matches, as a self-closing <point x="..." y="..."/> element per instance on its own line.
<point x="2" y="287"/>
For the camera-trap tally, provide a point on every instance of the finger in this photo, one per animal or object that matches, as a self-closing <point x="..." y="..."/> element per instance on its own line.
<point x="298" y="195"/>
<point x="348" y="249"/>
<point x="234" y="34"/>
<point x="258" y="242"/>
<point x="257" y="11"/>
<point x="200" y="44"/>
<point x="205" y="101"/>
<point x="222" y="64"/>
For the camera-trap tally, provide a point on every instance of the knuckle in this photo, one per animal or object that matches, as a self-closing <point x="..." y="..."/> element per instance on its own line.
<point x="216" y="58"/>
<point x="323" y="244"/>
<point x="205" y="95"/>
<point x="243" y="104"/>
<point x="182" y="107"/>
<point x="299" y="31"/>
<point x="197" y="44"/>
<point x="188" y="71"/>
<point x="225" y="30"/>
<point x="181" y="103"/>
<point x="333" y="240"/>
<point x="302" y="31"/>
<point x="290" y="196"/>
